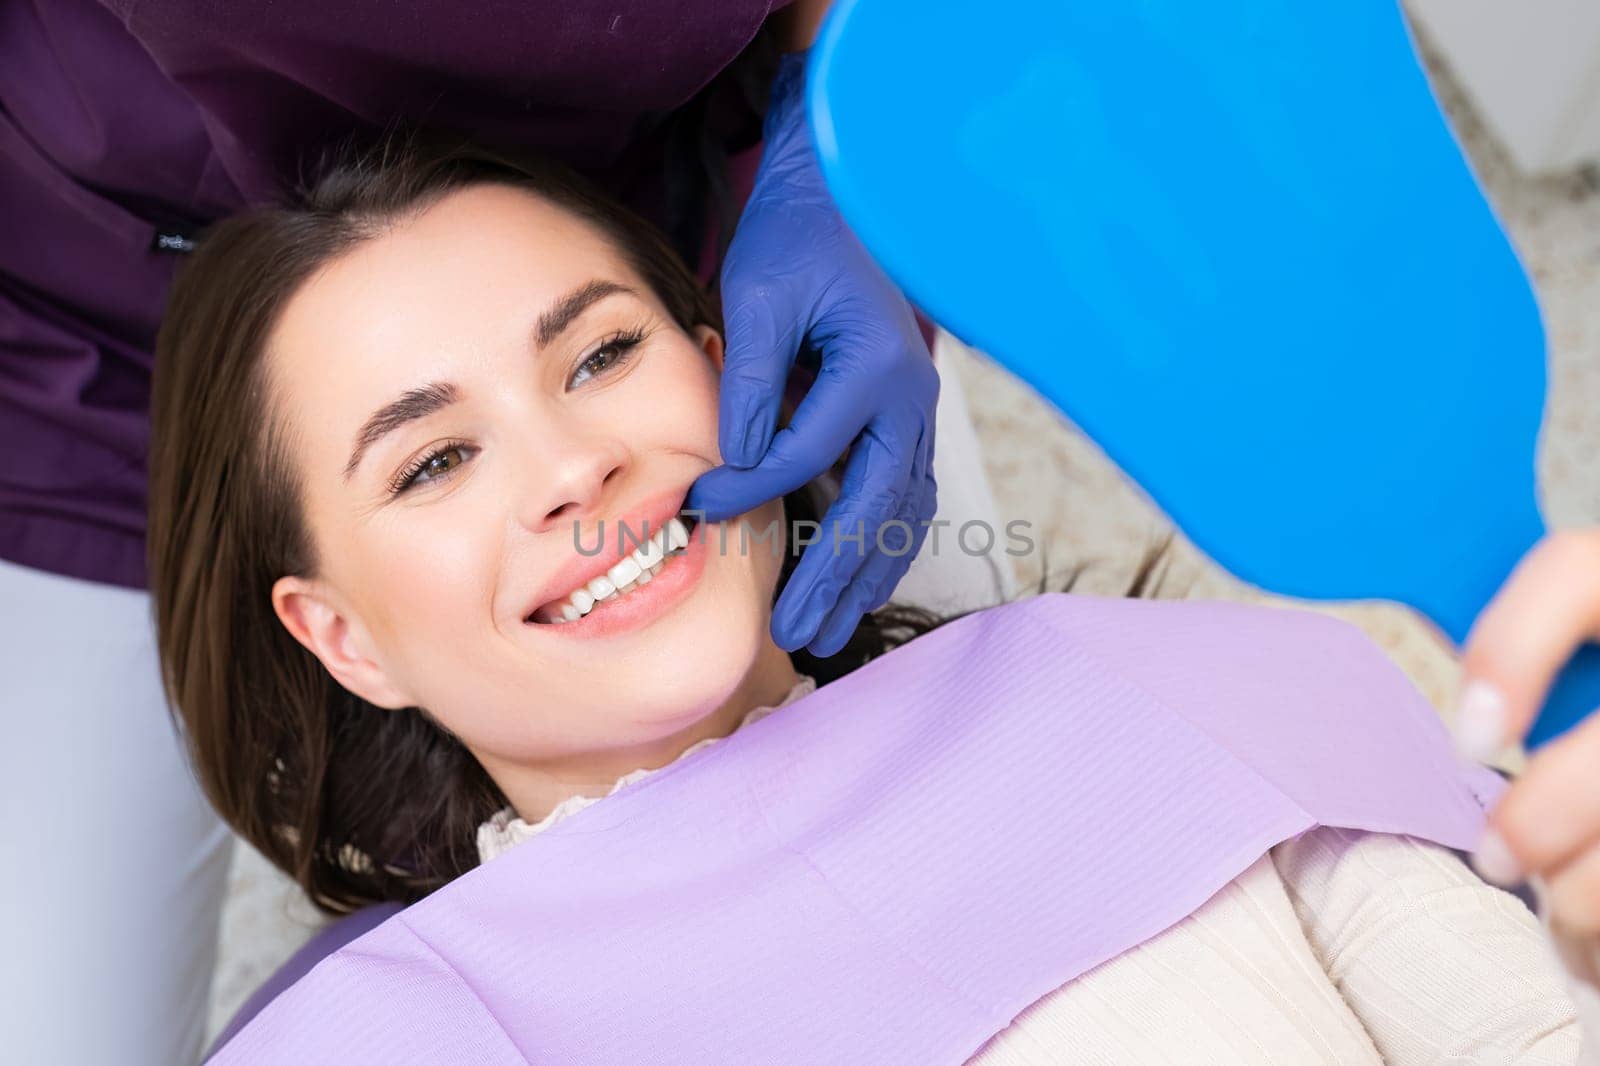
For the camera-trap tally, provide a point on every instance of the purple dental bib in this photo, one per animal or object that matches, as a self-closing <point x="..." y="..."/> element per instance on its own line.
<point x="893" y="868"/>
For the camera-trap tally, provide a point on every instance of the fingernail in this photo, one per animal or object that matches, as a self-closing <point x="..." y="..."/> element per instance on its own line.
<point x="1494" y="862"/>
<point x="1480" y="721"/>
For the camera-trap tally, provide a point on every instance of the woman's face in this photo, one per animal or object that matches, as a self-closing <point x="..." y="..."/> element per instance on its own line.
<point x="469" y="401"/>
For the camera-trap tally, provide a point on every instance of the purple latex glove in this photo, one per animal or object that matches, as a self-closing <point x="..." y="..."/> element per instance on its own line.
<point x="795" y="275"/>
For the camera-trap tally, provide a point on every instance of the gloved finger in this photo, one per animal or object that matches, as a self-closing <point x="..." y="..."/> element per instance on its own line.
<point x="926" y="492"/>
<point x="725" y="491"/>
<point x="918" y="508"/>
<point x="1548" y="607"/>
<point x="875" y="532"/>
<point x="895" y="538"/>
<point x="924" y="505"/>
<point x="900" y="538"/>
<point x="830" y="416"/>
<point x="764" y="330"/>
<point x="874" y="478"/>
<point x="841" y="623"/>
<point x="892" y="551"/>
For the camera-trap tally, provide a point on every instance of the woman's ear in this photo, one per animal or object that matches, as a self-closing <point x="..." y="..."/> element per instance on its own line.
<point x="710" y="342"/>
<point x="313" y="617"/>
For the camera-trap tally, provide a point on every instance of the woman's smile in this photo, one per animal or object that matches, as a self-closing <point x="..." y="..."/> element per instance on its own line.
<point x="676" y="554"/>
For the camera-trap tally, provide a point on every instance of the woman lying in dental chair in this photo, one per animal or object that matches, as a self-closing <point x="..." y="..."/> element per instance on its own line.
<point x="392" y="425"/>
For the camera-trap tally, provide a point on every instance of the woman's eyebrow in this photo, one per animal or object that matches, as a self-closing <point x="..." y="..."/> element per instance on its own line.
<point x="414" y="404"/>
<point x="562" y="313"/>
<point x="424" y="401"/>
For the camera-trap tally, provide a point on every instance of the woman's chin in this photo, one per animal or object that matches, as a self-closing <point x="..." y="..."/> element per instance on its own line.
<point x="682" y="659"/>
<point x="702" y="666"/>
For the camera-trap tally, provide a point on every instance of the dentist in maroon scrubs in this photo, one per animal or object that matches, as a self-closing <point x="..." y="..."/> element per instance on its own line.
<point x="125" y="127"/>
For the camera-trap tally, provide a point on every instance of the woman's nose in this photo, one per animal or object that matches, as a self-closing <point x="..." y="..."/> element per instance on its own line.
<point x="573" y="484"/>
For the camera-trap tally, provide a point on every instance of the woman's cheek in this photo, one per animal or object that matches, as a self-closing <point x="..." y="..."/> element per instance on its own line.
<point x="675" y="397"/>
<point x="437" y="574"/>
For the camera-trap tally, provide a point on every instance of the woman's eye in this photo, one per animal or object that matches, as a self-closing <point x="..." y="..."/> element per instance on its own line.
<point x="609" y="355"/>
<point x="441" y="462"/>
<point x="432" y="467"/>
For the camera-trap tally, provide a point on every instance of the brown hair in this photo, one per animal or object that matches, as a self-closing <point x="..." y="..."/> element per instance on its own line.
<point x="357" y="804"/>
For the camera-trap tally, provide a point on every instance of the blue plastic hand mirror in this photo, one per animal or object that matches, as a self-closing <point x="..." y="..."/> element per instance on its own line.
<point x="1239" y="247"/>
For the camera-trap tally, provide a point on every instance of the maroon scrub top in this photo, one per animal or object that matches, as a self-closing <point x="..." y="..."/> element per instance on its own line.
<point x="126" y="125"/>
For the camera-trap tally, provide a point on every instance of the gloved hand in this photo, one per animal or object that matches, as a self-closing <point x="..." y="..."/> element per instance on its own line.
<point x="795" y="275"/>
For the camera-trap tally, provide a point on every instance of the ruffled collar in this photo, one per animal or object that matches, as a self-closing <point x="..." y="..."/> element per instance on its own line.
<point x="505" y="830"/>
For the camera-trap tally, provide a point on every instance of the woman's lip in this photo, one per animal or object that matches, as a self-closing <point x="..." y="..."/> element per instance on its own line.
<point x="642" y="606"/>
<point x="647" y="518"/>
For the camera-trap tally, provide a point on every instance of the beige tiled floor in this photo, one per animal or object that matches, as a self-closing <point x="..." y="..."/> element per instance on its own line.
<point x="1044" y="471"/>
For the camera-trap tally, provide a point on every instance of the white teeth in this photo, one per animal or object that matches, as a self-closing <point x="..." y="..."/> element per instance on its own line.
<point x="625" y="572"/>
<point x="652" y="551"/>
<point x="677" y="534"/>
<point x="632" y="571"/>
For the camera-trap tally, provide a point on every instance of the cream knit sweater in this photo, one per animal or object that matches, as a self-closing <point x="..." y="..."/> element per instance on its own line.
<point x="1337" y="947"/>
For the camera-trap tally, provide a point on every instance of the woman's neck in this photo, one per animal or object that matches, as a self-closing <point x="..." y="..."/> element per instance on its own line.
<point x="535" y="791"/>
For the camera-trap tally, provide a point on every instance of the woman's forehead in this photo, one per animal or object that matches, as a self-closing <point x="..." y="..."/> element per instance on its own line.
<point x="474" y="245"/>
<point x="454" y="290"/>
<point x="476" y="268"/>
